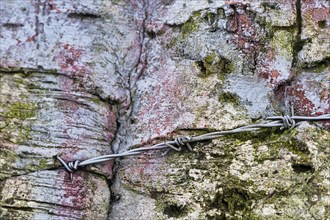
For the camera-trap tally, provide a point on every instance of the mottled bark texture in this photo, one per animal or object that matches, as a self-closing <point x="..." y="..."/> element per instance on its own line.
<point x="87" y="78"/>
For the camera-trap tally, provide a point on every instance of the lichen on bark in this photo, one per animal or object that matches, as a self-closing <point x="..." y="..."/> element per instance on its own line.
<point x="88" y="78"/>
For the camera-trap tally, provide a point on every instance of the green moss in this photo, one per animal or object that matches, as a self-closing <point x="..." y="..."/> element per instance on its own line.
<point x="7" y="159"/>
<point x="31" y="167"/>
<point x="21" y="110"/>
<point x="262" y="136"/>
<point x="322" y="24"/>
<point x="211" y="17"/>
<point x="237" y="199"/>
<point x="170" y="206"/>
<point x="227" y="97"/>
<point x="191" y="25"/>
<point x="9" y="155"/>
<point x="24" y="133"/>
<point x="317" y="67"/>
<point x="321" y="68"/>
<point x="214" y="64"/>
<point x="96" y="100"/>
<point x="38" y="164"/>
<point x="43" y="164"/>
<point x="233" y="197"/>
<point x="32" y="86"/>
<point x="282" y="42"/>
<point x="18" y="78"/>
<point x="188" y="28"/>
<point x="16" y="130"/>
<point x="275" y="140"/>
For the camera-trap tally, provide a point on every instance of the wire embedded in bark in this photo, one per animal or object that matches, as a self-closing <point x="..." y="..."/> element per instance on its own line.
<point x="284" y="122"/>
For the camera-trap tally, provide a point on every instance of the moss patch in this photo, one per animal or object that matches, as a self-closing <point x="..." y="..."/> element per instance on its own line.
<point x="234" y="199"/>
<point x="283" y="41"/>
<point x="7" y="159"/>
<point x="21" y="110"/>
<point x="214" y="64"/>
<point x="227" y="97"/>
<point x="191" y="25"/>
<point x="175" y="210"/>
<point x="43" y="164"/>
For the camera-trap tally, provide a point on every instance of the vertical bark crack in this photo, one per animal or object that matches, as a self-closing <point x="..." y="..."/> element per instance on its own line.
<point x="298" y="43"/>
<point x="125" y="115"/>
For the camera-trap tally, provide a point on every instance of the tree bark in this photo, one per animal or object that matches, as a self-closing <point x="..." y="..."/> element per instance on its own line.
<point x="82" y="79"/>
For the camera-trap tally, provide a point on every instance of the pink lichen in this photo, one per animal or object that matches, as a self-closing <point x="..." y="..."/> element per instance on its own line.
<point x="245" y="29"/>
<point x="111" y="125"/>
<point x="316" y="9"/>
<point x="31" y="38"/>
<point x="76" y="193"/>
<point x="69" y="60"/>
<point x="52" y="6"/>
<point x="306" y="106"/>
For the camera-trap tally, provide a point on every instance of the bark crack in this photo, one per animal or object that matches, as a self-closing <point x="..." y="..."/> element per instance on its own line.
<point x="125" y="113"/>
<point x="137" y="71"/>
<point x="298" y="43"/>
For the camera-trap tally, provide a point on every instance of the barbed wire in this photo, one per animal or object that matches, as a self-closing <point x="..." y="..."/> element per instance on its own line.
<point x="284" y="122"/>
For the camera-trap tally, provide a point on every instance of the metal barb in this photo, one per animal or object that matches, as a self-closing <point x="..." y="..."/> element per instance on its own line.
<point x="70" y="166"/>
<point x="183" y="142"/>
<point x="284" y="122"/>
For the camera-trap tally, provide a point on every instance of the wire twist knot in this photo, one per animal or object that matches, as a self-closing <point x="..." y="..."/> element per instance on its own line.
<point x="288" y="122"/>
<point x="70" y="166"/>
<point x="180" y="142"/>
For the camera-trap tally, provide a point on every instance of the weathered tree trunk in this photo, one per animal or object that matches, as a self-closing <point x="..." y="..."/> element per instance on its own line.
<point x="87" y="78"/>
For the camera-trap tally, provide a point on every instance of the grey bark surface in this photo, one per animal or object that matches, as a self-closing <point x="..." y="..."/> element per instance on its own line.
<point x="82" y="79"/>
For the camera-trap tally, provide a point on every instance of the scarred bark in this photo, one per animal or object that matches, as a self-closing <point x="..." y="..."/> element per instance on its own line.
<point x="88" y="78"/>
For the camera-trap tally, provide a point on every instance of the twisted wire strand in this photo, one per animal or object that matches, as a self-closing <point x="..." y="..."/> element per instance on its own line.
<point x="284" y="122"/>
